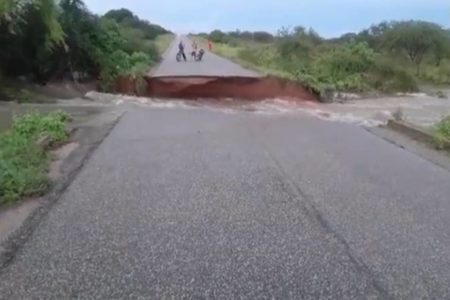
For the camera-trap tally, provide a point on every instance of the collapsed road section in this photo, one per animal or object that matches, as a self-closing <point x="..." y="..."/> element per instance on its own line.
<point x="248" y="88"/>
<point x="212" y="87"/>
<point x="214" y="77"/>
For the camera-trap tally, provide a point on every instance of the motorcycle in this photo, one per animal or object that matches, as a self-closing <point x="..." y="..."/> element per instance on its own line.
<point x="198" y="56"/>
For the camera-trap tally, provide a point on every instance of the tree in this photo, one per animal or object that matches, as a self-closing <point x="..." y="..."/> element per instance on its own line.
<point x="53" y="39"/>
<point x="441" y="49"/>
<point x="127" y="18"/>
<point x="415" y="39"/>
<point x="218" y="36"/>
<point x="314" y="36"/>
<point x="246" y="35"/>
<point x="8" y="8"/>
<point x="30" y="31"/>
<point x="119" y="15"/>
<point x="13" y="13"/>
<point x="48" y="11"/>
<point x="76" y="23"/>
<point x="262" y="36"/>
<point x="346" y="38"/>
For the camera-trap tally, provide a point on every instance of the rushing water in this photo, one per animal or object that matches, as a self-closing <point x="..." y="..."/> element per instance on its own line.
<point x="419" y="109"/>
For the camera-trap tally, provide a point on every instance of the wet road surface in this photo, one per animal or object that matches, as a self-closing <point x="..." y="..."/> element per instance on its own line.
<point x="198" y="203"/>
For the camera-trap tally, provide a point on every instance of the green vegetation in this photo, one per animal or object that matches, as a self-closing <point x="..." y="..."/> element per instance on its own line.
<point x="388" y="57"/>
<point x="44" y="40"/>
<point x="442" y="133"/>
<point x="23" y="157"/>
<point x="163" y="42"/>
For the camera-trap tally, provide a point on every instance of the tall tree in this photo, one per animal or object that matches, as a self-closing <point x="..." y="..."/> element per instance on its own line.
<point x="12" y="14"/>
<point x="30" y="31"/>
<point x="441" y="49"/>
<point x="415" y="39"/>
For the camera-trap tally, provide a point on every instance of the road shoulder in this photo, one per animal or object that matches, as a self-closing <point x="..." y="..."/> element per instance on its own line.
<point x="20" y="221"/>
<point x="425" y="151"/>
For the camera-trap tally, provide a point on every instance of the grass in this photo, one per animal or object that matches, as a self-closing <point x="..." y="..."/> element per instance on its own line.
<point x="224" y="50"/>
<point x="442" y="133"/>
<point x="228" y="51"/>
<point x="24" y="161"/>
<point x="234" y="53"/>
<point x="162" y="42"/>
<point x="256" y="56"/>
<point x="249" y="56"/>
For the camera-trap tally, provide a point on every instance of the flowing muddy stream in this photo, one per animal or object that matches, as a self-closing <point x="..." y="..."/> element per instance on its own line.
<point x="419" y="109"/>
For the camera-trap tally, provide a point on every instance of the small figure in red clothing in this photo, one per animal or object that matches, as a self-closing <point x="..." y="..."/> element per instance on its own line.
<point x="209" y="45"/>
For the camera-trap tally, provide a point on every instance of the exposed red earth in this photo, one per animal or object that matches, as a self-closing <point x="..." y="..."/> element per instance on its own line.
<point x="195" y="87"/>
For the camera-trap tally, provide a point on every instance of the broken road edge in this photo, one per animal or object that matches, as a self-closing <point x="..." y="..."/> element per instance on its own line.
<point x="417" y="133"/>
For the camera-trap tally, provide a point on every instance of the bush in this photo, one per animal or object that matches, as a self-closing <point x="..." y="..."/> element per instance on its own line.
<point x="113" y="66"/>
<point x="218" y="36"/>
<point x="54" y="40"/>
<point x="121" y="64"/>
<point x="22" y="168"/>
<point x="356" y="67"/>
<point x="444" y="127"/>
<point x="346" y="60"/>
<point x="312" y="83"/>
<point x="23" y="162"/>
<point x="442" y="133"/>
<point x="259" y="56"/>
<point x="385" y="57"/>
<point x="135" y="41"/>
<point x="233" y="42"/>
<point x="342" y="68"/>
<point x="34" y="126"/>
<point x="437" y="74"/>
<point x="263" y="37"/>
<point x="248" y="55"/>
<point x="444" y="72"/>
<point x="294" y="56"/>
<point x="139" y="63"/>
<point x="385" y="76"/>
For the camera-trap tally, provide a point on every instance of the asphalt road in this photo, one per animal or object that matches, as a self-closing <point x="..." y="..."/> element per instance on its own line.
<point x="187" y="203"/>
<point x="211" y="65"/>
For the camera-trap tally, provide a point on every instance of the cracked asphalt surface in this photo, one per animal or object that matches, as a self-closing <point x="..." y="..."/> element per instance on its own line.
<point x="192" y="203"/>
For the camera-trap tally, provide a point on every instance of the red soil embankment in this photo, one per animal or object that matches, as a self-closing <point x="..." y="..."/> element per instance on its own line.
<point x="220" y="87"/>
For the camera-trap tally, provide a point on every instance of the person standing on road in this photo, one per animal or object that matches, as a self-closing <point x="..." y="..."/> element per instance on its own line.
<point x="209" y="45"/>
<point x="181" y="50"/>
<point x="194" y="50"/>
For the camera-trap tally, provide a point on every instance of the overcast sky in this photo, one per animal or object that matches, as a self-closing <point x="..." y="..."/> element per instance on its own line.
<point x="329" y="17"/>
